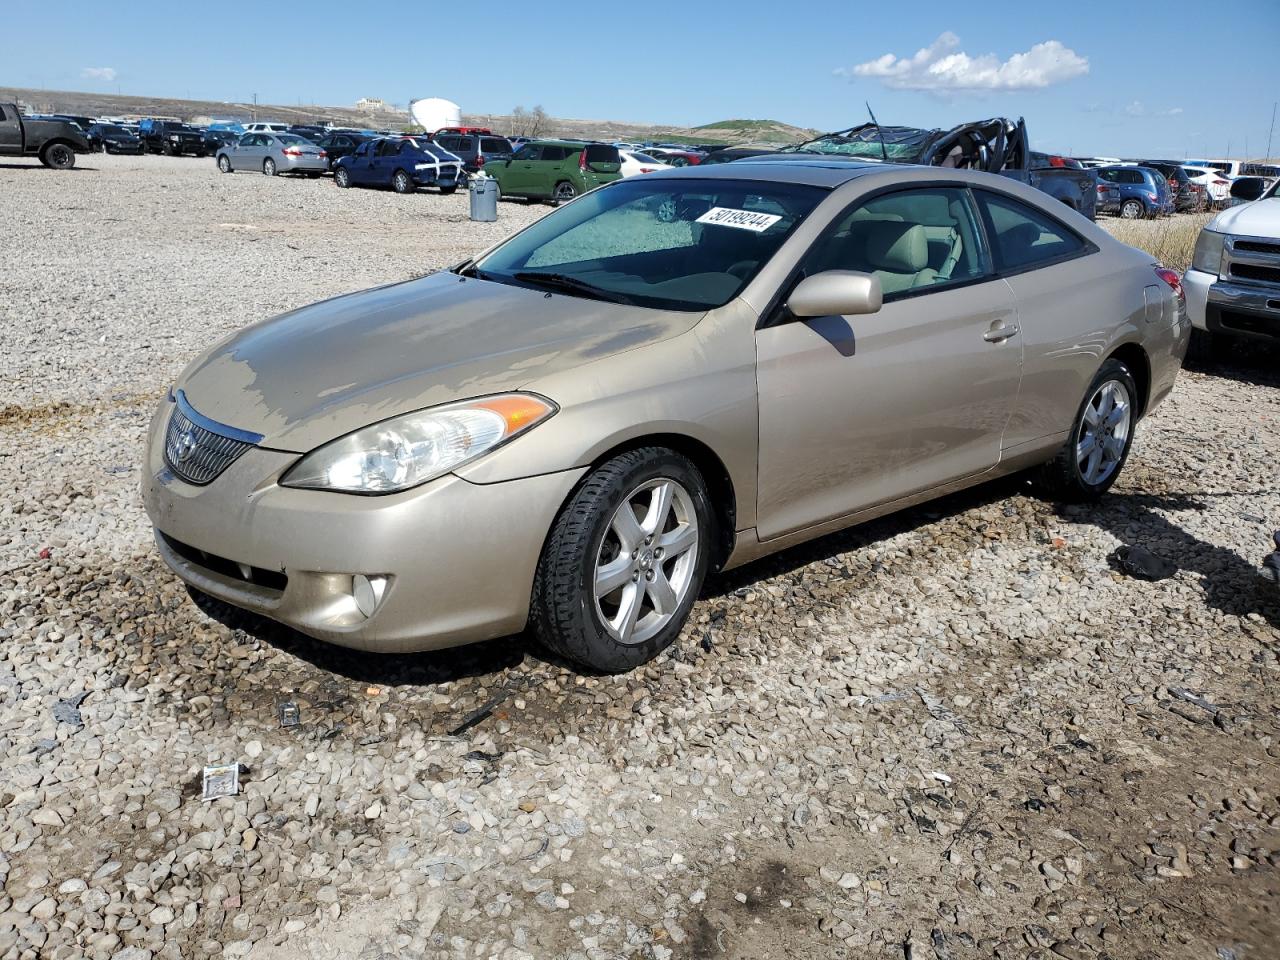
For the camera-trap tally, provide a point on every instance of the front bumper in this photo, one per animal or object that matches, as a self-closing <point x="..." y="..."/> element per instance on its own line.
<point x="1235" y="309"/>
<point x="458" y="558"/>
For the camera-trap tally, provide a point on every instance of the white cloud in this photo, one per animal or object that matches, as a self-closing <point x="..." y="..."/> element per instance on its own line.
<point x="1136" y="109"/>
<point x="105" y="74"/>
<point x="1171" y="112"/>
<point x="942" y="67"/>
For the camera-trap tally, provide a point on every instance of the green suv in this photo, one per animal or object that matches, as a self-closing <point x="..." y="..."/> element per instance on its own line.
<point x="555" y="170"/>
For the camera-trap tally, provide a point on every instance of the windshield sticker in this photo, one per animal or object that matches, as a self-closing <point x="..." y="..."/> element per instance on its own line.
<point x="742" y="219"/>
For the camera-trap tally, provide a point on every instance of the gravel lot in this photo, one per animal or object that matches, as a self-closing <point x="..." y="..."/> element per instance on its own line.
<point x="957" y="732"/>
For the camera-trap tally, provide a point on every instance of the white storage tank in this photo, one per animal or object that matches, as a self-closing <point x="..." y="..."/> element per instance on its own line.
<point x="433" y="113"/>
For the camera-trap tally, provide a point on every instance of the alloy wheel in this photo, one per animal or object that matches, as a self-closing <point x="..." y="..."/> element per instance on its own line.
<point x="1131" y="210"/>
<point x="646" y="560"/>
<point x="269" y="167"/>
<point x="1104" y="432"/>
<point x="565" y="192"/>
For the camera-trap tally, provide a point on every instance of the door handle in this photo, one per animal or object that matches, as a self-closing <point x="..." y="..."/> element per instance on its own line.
<point x="1002" y="332"/>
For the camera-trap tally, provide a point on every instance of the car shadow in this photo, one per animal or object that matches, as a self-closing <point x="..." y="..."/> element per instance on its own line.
<point x="37" y="165"/>
<point x="1231" y="582"/>
<point x="1245" y="361"/>
<point x="381" y="669"/>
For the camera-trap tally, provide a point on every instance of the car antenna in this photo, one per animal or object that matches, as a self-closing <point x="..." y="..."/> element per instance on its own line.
<point x="884" y="151"/>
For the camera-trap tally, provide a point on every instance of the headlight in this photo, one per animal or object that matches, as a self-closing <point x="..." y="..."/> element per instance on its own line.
<point x="1208" y="255"/>
<point x="409" y="450"/>
<point x="174" y="136"/>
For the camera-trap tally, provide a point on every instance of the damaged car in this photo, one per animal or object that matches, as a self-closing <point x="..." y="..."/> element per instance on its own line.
<point x="998" y="145"/>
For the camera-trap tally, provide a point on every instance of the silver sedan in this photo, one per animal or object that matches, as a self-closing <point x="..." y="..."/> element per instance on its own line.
<point x="273" y="153"/>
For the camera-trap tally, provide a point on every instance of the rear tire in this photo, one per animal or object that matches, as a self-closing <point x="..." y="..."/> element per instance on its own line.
<point x="224" y="163"/>
<point x="564" y="192"/>
<point x="614" y="587"/>
<point x="1132" y="209"/>
<point x="447" y="191"/>
<point x="269" y="167"/>
<point x="58" y="156"/>
<point x="401" y="182"/>
<point x="1100" y="440"/>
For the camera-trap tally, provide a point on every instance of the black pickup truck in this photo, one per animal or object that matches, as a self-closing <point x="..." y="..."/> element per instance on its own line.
<point x="996" y="146"/>
<point x="172" y="138"/>
<point x="55" y="142"/>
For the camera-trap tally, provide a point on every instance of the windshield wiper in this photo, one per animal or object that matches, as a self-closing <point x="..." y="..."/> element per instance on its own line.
<point x="562" y="281"/>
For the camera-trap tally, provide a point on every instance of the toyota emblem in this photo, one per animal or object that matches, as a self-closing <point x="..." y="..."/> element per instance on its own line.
<point x="186" y="446"/>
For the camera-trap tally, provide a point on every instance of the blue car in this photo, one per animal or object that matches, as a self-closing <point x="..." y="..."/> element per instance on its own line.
<point x="1140" y="192"/>
<point x="404" y="164"/>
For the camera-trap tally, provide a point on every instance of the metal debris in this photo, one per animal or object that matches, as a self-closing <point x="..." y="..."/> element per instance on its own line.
<point x="1188" y="697"/>
<point x="288" y="711"/>
<point x="939" y="711"/>
<point x="221" y="780"/>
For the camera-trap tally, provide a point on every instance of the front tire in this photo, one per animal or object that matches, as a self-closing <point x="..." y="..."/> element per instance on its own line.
<point x="624" y="561"/>
<point x="1101" y="436"/>
<point x="269" y="167"/>
<point x="224" y="163"/>
<point x="58" y="156"/>
<point x="401" y="182"/>
<point x="342" y="177"/>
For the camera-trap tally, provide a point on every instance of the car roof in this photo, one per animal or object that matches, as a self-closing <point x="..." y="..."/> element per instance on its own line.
<point x="825" y="172"/>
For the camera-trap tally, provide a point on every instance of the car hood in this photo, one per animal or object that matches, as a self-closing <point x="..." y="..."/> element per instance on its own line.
<point x="1261" y="218"/>
<point x="309" y="376"/>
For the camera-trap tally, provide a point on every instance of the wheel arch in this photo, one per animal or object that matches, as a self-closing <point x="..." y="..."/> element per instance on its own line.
<point x="1133" y="356"/>
<point x="58" y="142"/>
<point x="720" y="488"/>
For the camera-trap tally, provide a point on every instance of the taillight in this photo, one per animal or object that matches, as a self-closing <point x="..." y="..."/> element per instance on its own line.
<point x="1172" y="279"/>
<point x="323" y="154"/>
<point x="582" y="161"/>
<point x="291" y="152"/>
<point x="1057" y="162"/>
<point x="479" y="159"/>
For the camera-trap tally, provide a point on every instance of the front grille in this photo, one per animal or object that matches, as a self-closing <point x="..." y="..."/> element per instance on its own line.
<point x="195" y="452"/>
<point x="1253" y="271"/>
<point x="1257" y="246"/>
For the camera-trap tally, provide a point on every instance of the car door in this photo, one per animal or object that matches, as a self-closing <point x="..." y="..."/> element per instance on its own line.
<point x="1067" y="311"/>
<point x="361" y="163"/>
<point x="518" y="176"/>
<point x="10" y="131"/>
<point x="863" y="410"/>
<point x="249" y="151"/>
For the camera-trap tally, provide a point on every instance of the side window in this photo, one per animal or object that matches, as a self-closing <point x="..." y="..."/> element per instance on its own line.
<point x="554" y="154"/>
<point x="909" y="239"/>
<point x="527" y="152"/>
<point x="363" y="149"/>
<point x="1024" y="237"/>
<point x="2" y="116"/>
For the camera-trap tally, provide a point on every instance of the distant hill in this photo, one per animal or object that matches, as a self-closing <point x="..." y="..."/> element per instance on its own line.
<point x="202" y="111"/>
<point x="757" y="131"/>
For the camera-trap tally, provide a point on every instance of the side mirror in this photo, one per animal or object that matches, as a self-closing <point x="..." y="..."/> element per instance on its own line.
<point x="836" y="293"/>
<point x="1248" y="188"/>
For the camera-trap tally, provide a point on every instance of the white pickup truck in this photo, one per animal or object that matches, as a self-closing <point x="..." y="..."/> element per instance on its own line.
<point x="1233" y="284"/>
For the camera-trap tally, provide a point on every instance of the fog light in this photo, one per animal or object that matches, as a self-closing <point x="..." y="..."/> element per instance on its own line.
<point x="368" y="592"/>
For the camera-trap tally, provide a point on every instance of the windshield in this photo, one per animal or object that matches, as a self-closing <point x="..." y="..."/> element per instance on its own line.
<point x="900" y="144"/>
<point x="656" y="242"/>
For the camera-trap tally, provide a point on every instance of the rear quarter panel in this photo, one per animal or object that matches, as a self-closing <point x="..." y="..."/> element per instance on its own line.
<point x="1073" y="316"/>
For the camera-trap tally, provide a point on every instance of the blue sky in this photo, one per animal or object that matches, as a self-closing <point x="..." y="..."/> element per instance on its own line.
<point x="1173" y="78"/>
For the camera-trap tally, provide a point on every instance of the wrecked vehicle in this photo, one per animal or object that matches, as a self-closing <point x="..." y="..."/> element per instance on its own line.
<point x="997" y="145"/>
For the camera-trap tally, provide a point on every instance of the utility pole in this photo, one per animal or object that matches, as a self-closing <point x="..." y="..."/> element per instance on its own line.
<point x="1272" y="130"/>
<point x="255" y="106"/>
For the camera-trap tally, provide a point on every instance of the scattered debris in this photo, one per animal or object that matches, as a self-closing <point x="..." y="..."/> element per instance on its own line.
<point x="288" y="711"/>
<point x="68" y="710"/>
<point x="939" y="711"/>
<point x="221" y="780"/>
<point x="482" y="756"/>
<point x="1142" y="563"/>
<point x="1189" y="697"/>
<point x="1271" y="565"/>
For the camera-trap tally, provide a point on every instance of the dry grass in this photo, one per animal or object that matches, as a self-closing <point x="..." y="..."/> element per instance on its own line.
<point x="1170" y="240"/>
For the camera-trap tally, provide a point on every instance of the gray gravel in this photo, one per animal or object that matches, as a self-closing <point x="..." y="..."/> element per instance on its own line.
<point x="958" y="732"/>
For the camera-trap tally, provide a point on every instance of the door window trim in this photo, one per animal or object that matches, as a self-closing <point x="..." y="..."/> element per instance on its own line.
<point x="774" y="314"/>
<point x="1087" y="247"/>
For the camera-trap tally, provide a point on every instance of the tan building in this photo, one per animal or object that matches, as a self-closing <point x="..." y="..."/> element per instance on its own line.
<point x="371" y="103"/>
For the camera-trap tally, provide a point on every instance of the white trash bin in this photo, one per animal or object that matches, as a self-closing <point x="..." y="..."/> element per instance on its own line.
<point x="484" y="198"/>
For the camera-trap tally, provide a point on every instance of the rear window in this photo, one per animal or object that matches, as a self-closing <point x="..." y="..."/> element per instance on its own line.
<point x="600" y="153"/>
<point x="494" y="145"/>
